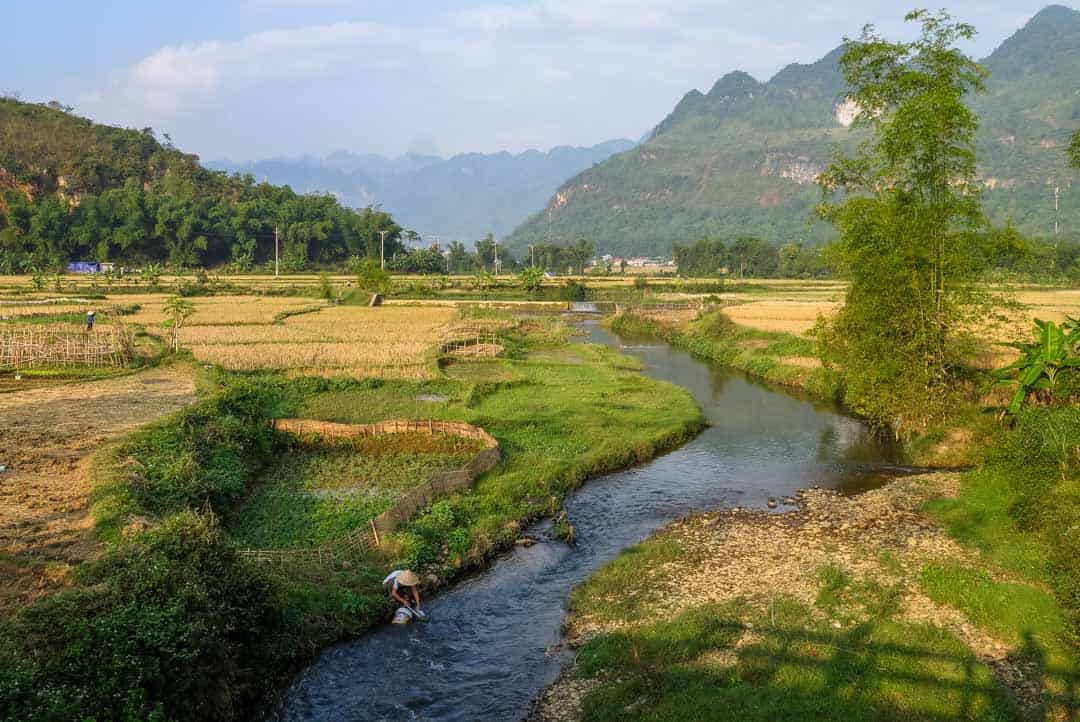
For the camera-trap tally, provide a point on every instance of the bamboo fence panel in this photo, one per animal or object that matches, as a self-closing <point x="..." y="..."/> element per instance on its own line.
<point x="34" y="346"/>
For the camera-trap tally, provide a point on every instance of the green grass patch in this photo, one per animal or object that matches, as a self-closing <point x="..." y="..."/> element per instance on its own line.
<point x="312" y="497"/>
<point x="625" y="586"/>
<point x="790" y="665"/>
<point x="557" y="422"/>
<point x="713" y="336"/>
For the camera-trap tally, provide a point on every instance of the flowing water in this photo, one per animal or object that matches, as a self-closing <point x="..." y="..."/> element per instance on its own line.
<point x="493" y="640"/>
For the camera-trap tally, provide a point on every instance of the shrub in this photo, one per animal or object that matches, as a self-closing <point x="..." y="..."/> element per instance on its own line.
<point x="205" y="455"/>
<point x="174" y="626"/>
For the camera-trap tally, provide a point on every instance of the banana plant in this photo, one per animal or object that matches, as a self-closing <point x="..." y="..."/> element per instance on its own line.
<point x="1052" y="351"/>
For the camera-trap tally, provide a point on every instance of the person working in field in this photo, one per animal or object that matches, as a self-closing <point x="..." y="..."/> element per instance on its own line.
<point x="402" y="584"/>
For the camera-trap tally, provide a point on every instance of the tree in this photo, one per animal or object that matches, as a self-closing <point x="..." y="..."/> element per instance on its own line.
<point x="907" y="218"/>
<point x="532" y="278"/>
<point x="1074" y="151"/>
<point x="371" y="278"/>
<point x="178" y="309"/>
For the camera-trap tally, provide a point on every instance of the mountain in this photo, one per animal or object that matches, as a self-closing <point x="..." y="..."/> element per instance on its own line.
<point x="459" y="198"/>
<point x="742" y="158"/>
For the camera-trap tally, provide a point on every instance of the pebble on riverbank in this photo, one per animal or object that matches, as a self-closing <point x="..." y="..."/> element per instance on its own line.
<point x="757" y="556"/>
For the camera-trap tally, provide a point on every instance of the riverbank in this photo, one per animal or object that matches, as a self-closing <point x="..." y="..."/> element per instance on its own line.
<point x="978" y="571"/>
<point x="848" y="608"/>
<point x="195" y="631"/>
<point x="775" y="357"/>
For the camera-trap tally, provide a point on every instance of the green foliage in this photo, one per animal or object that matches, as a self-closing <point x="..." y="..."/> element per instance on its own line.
<point x="178" y="310"/>
<point x="574" y="291"/>
<point x="760" y="353"/>
<point x="173" y="626"/>
<point x="326" y="289"/>
<point x="1020" y="509"/>
<point x="1052" y="352"/>
<point x="143" y="202"/>
<point x="726" y="662"/>
<point x="312" y="497"/>
<point x="371" y="278"/>
<point x="531" y="278"/>
<point x="1074" y="151"/>
<point x="907" y="222"/>
<point x="420" y="260"/>
<point x="558" y="422"/>
<point x="204" y="456"/>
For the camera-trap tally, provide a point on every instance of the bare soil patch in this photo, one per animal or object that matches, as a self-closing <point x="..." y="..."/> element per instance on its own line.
<point x="48" y="435"/>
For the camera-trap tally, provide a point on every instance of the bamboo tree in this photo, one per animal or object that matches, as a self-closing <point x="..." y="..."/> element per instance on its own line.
<point x="908" y="211"/>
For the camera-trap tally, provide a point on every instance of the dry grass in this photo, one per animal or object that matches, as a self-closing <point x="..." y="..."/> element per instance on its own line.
<point x="388" y="342"/>
<point x="796" y="317"/>
<point x="218" y="310"/>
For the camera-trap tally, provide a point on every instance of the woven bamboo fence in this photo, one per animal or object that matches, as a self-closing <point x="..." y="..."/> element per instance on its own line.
<point x="39" y="345"/>
<point x="370" y="537"/>
<point x="484" y="343"/>
<point x="695" y="305"/>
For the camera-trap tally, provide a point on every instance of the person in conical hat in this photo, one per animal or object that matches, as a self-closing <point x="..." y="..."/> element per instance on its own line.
<point x="402" y="584"/>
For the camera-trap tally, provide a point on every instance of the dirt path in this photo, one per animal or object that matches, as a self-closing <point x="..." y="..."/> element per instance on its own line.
<point x="48" y="436"/>
<point x="756" y="556"/>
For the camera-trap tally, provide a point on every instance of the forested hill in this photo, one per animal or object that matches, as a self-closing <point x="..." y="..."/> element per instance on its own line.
<point x="741" y="159"/>
<point x="462" y="198"/>
<point x="72" y="189"/>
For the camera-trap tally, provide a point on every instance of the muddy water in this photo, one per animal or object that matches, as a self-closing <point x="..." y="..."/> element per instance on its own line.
<point x="492" y="642"/>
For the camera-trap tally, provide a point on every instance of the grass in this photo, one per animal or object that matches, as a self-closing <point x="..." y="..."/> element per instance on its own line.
<point x="312" y="497"/>
<point x="762" y="354"/>
<point x="723" y="662"/>
<point x="558" y="422"/>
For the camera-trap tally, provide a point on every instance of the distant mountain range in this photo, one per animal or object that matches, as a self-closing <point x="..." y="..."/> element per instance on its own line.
<point x="742" y="158"/>
<point x="460" y="198"/>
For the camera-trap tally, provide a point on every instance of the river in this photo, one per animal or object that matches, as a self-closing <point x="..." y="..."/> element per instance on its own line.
<point x="493" y="640"/>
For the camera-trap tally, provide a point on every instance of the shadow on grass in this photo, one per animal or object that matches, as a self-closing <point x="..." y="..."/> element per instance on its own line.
<point x="707" y="664"/>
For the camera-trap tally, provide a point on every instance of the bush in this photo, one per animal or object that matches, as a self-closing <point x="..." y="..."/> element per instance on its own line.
<point x="1040" y="457"/>
<point x="574" y="291"/>
<point x="205" y="455"/>
<point x="174" y="626"/>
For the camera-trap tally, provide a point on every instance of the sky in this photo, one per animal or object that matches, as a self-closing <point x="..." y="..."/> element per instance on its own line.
<point x="253" y="79"/>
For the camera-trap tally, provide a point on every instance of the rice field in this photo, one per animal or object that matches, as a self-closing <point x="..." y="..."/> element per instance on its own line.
<point x="387" y="342"/>
<point x="784" y="316"/>
<point x="218" y="310"/>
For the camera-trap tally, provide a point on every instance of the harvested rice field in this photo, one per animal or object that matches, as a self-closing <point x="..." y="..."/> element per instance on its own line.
<point x="388" y="342"/>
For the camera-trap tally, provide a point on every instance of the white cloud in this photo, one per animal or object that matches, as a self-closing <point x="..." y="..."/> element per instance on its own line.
<point x="491" y="75"/>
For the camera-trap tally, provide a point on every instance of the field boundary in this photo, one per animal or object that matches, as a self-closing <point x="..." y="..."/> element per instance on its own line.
<point x="371" y="537"/>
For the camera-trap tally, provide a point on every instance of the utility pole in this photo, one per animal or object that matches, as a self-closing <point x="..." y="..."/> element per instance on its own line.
<point x="276" y="264"/>
<point x="496" y="256"/>
<point x="382" y="249"/>
<point x="549" y="225"/>
<point x="532" y="253"/>
<point x="1057" y="196"/>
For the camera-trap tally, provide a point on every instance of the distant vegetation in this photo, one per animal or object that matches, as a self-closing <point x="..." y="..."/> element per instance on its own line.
<point x="71" y="189"/>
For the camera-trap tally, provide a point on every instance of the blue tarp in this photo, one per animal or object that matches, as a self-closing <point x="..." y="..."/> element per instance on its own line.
<point x="83" y="267"/>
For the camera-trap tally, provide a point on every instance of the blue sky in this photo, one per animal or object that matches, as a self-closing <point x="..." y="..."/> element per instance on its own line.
<point x="259" y="78"/>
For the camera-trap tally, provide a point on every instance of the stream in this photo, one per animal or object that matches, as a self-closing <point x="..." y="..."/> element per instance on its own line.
<point x="493" y="640"/>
